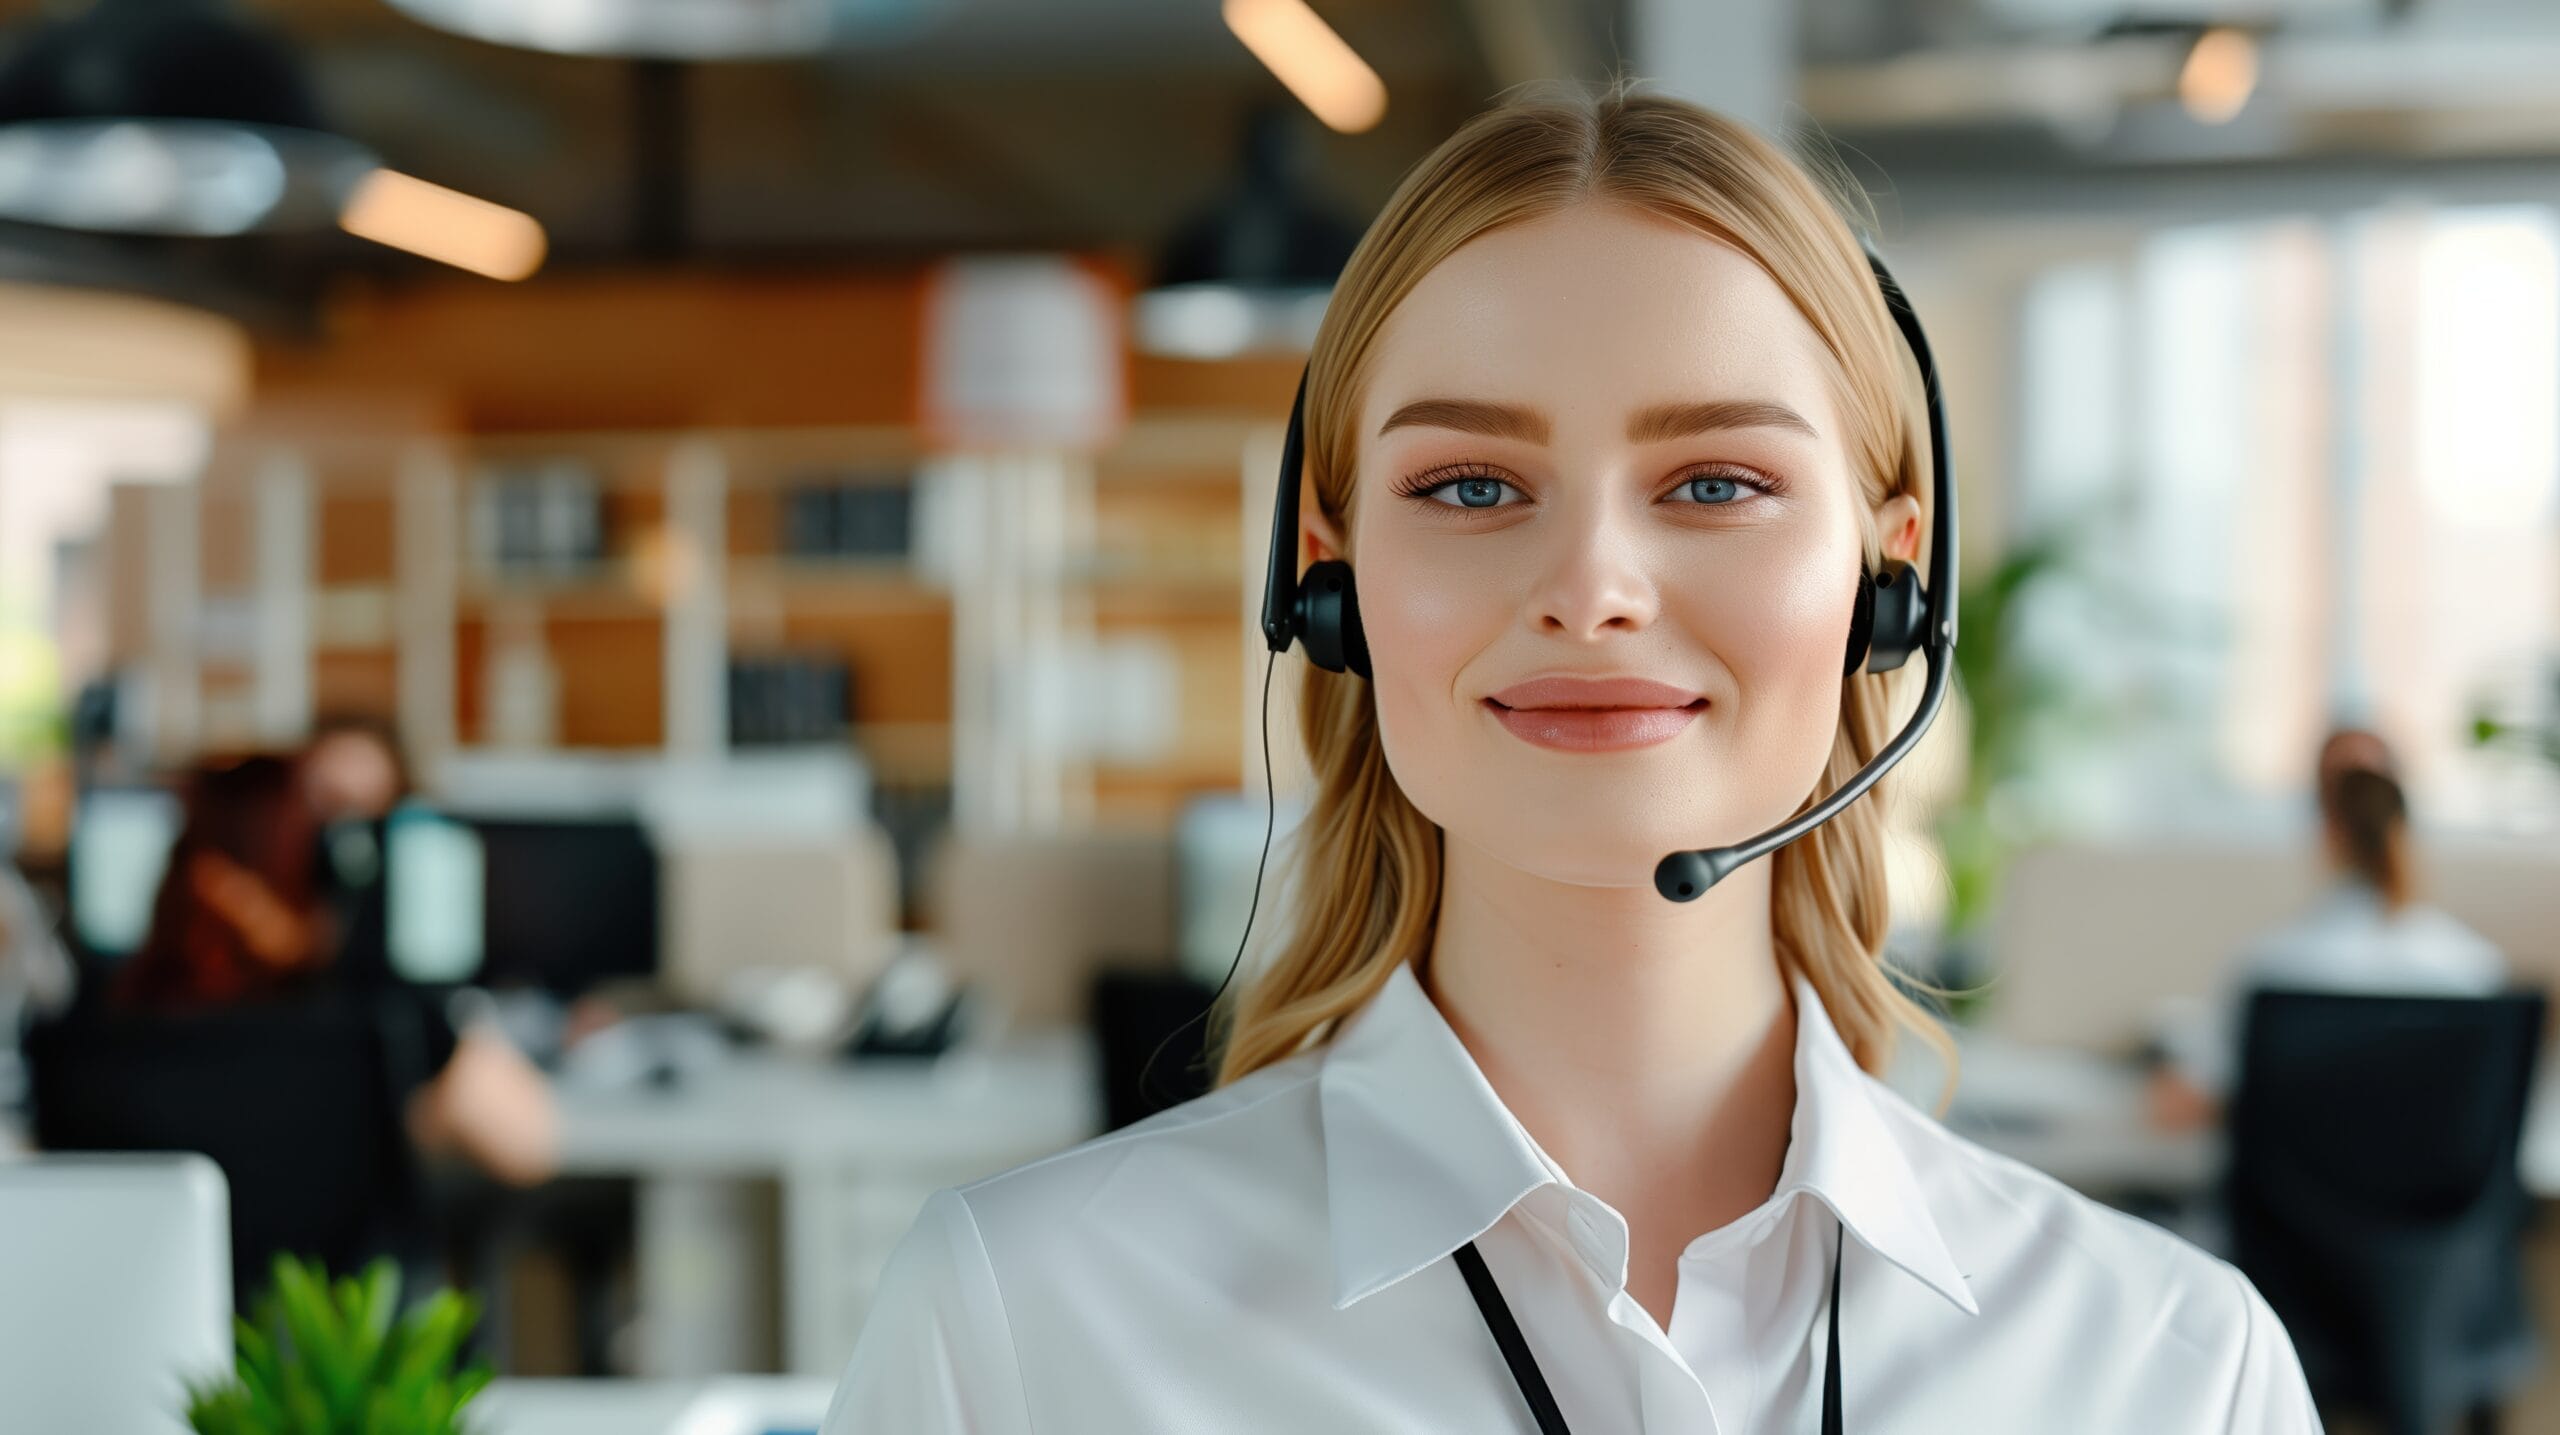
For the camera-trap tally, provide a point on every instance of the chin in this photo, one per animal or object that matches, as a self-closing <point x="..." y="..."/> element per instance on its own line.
<point x="1594" y="847"/>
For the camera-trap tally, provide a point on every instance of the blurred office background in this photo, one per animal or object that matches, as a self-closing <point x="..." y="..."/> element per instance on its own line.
<point x="790" y="481"/>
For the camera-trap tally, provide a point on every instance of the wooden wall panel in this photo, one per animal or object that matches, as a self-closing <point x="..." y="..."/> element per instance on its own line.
<point x="356" y="681"/>
<point x="622" y="351"/>
<point x="355" y="540"/>
<point x="611" y="670"/>
<point x="901" y="658"/>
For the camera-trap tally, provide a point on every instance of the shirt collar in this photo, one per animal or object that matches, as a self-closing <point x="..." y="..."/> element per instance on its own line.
<point x="1421" y="1156"/>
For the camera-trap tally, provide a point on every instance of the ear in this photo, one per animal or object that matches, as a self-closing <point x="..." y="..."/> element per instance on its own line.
<point x="1898" y="527"/>
<point x="1318" y="538"/>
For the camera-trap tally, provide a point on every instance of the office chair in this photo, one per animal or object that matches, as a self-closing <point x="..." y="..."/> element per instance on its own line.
<point x="1151" y="1032"/>
<point x="296" y="1103"/>
<point x="2374" y="1198"/>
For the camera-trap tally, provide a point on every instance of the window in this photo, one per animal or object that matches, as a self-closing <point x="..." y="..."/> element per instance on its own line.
<point x="2312" y="470"/>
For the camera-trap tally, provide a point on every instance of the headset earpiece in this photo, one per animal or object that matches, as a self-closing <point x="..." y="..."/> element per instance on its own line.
<point x="1862" y="623"/>
<point x="1326" y="618"/>
<point x="1896" y="616"/>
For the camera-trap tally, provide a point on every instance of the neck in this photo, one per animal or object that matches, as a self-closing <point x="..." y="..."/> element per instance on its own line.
<point x="1647" y="1046"/>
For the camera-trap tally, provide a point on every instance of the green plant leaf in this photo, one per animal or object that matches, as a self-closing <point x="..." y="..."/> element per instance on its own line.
<point x="334" y="1371"/>
<point x="335" y="1357"/>
<point x="378" y="1304"/>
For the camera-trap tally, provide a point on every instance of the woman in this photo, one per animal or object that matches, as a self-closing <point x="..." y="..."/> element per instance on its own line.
<point x="2367" y="931"/>
<point x="1607" y="412"/>
<point x="241" y="917"/>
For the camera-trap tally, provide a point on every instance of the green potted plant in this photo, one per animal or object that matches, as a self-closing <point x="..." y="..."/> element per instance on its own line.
<point x="322" y="1358"/>
<point x="2535" y="735"/>
<point x="2025" y="715"/>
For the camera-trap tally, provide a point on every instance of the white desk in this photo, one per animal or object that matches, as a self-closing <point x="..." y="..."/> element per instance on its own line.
<point x="2079" y="1117"/>
<point x="853" y="1149"/>
<point x="748" y="1405"/>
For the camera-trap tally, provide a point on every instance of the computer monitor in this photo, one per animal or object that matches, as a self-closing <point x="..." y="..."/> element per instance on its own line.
<point x="118" y="1294"/>
<point x="571" y="902"/>
<point x="435" y="878"/>
<point x="120" y="842"/>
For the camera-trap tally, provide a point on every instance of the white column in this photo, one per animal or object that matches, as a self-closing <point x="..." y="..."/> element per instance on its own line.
<point x="1016" y="707"/>
<point x="697" y="589"/>
<point x="959" y="545"/>
<point x="282" y="542"/>
<point x="176" y="587"/>
<point x="2350" y="697"/>
<point x="703" y="1239"/>
<point x="426" y="533"/>
<point x="1075" y="635"/>
<point x="1734" y="56"/>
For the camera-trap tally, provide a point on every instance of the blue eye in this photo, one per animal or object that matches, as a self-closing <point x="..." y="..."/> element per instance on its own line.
<point x="1473" y="491"/>
<point x="1714" y="490"/>
<point x="1481" y="493"/>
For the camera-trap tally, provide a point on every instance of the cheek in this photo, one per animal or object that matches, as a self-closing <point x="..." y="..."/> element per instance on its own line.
<point x="1427" y="616"/>
<point x="1778" y="627"/>
<point x="1780" y="633"/>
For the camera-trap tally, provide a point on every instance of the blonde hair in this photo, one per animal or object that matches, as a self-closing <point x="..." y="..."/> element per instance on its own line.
<point x="1367" y="863"/>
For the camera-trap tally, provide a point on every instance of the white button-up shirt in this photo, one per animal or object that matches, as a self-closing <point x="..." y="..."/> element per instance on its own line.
<point x="1273" y="1257"/>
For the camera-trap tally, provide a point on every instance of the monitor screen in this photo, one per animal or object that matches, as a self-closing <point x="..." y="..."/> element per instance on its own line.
<point x="570" y="902"/>
<point x="120" y="841"/>
<point x="435" y="897"/>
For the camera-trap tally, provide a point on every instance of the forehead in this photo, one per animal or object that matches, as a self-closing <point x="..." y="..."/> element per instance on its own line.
<point x="1591" y="312"/>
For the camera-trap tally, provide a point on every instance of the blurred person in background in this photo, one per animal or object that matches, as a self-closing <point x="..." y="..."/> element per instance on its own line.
<point x="35" y="972"/>
<point x="2368" y="930"/>
<point x="36" y="976"/>
<point x="353" y="769"/>
<point x="241" y="917"/>
<point x="354" y="773"/>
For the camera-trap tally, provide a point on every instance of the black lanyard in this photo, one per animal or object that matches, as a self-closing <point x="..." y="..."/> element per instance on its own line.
<point x="1533" y="1383"/>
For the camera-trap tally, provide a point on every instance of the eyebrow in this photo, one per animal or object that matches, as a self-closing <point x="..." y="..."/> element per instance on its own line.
<point x="1652" y="424"/>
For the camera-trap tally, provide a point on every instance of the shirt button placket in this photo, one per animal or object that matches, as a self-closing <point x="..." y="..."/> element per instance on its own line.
<point x="1591" y="1240"/>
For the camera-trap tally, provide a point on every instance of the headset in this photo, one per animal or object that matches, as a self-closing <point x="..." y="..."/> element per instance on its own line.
<point x="1894" y="614"/>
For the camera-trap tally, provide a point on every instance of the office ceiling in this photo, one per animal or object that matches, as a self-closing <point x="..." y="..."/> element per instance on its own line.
<point x="1105" y="123"/>
<point x="981" y="123"/>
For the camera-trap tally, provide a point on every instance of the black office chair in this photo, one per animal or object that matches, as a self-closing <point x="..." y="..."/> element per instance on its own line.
<point x="299" y="1104"/>
<point x="1153" y="1052"/>
<point x="2374" y="1198"/>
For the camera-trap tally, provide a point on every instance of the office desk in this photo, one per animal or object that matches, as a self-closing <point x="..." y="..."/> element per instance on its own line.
<point x="854" y="1150"/>
<point x="2078" y="1117"/>
<point x="743" y="1405"/>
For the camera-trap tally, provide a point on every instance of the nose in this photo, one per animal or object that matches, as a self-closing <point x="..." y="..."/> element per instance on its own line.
<point x="1593" y="577"/>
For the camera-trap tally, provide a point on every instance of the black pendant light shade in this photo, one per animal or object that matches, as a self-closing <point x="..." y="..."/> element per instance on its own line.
<point x="671" y="29"/>
<point x="1253" y="272"/>
<point x="169" y="117"/>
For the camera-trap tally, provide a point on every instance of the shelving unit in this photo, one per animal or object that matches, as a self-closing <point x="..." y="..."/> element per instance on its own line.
<point x="337" y="570"/>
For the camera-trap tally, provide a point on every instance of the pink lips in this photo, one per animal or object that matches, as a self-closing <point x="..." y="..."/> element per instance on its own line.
<point x="1594" y="715"/>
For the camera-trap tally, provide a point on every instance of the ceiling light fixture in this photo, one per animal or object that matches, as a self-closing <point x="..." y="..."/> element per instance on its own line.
<point x="1317" y="65"/>
<point x="165" y="117"/>
<point x="445" y="225"/>
<point x="1252" y="273"/>
<point x="2220" y="73"/>
<point x="667" y="29"/>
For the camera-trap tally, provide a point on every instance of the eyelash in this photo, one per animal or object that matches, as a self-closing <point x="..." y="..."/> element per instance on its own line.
<point x="1422" y="485"/>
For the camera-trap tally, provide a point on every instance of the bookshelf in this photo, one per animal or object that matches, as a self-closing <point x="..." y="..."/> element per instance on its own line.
<point x="1055" y="640"/>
